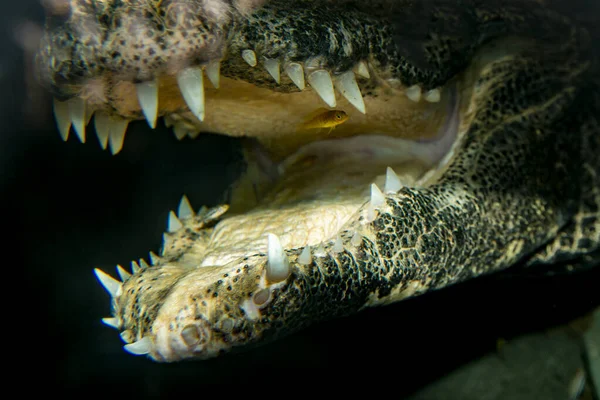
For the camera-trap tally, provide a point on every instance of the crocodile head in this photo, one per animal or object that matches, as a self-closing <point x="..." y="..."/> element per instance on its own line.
<point x="469" y="147"/>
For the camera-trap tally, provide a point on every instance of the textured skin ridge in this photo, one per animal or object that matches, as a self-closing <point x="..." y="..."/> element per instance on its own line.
<point x="522" y="186"/>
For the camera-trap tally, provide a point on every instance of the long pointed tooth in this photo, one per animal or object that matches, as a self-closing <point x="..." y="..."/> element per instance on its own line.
<point x="118" y="128"/>
<point x="112" y="322"/>
<point x="356" y="239"/>
<point x="135" y="267"/>
<point x="63" y="118"/>
<point x="191" y="85"/>
<point x="123" y="273"/>
<point x="338" y="246"/>
<point x="147" y="93"/>
<point x="321" y="81"/>
<point x="101" y="123"/>
<point x="112" y="286"/>
<point x="278" y="267"/>
<point x="78" y="118"/>
<point x="154" y="259"/>
<point x="179" y="131"/>
<point x="296" y="74"/>
<point x="143" y="264"/>
<point x="392" y="182"/>
<point x="174" y="223"/>
<point x="346" y="84"/>
<point x="414" y="93"/>
<point x="433" y="96"/>
<point x="305" y="258"/>
<point x="363" y="70"/>
<point x="213" y="72"/>
<point x="139" y="348"/>
<point x="272" y="67"/>
<point x="250" y="57"/>
<point x="377" y="198"/>
<point x="185" y="209"/>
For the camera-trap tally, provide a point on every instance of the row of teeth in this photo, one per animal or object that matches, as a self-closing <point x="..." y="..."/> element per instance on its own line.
<point x="111" y="130"/>
<point x="277" y="268"/>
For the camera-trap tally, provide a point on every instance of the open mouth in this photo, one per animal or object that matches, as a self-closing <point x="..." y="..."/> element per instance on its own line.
<point x="312" y="181"/>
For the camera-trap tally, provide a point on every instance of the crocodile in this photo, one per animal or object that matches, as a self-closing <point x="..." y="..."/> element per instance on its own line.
<point x="471" y="146"/>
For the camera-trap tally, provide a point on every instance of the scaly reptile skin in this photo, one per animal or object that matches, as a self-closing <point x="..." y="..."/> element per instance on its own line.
<point x="510" y="85"/>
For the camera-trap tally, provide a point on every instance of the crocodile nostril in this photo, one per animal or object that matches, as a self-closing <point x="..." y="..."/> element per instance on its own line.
<point x="190" y="335"/>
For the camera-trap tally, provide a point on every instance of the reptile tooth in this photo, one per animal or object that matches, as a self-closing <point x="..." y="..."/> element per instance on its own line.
<point x="305" y="258"/>
<point x="112" y="322"/>
<point x="139" y="348"/>
<point x="123" y="273"/>
<point x="433" y="96"/>
<point x="321" y="81"/>
<point x="392" y="182"/>
<point x="102" y="128"/>
<point x="272" y="67"/>
<point x="77" y="113"/>
<point x="278" y="267"/>
<point x="174" y="223"/>
<point x="363" y="70"/>
<point x="213" y="72"/>
<point x="296" y="74"/>
<point x="117" y="129"/>
<point x="112" y="286"/>
<point x="185" y="209"/>
<point x="356" y="239"/>
<point x="154" y="259"/>
<point x="163" y="248"/>
<point x="346" y="84"/>
<point x="338" y="247"/>
<point x="414" y="93"/>
<point x="250" y="57"/>
<point x="179" y="131"/>
<point x="377" y="198"/>
<point x="191" y="85"/>
<point x="135" y="267"/>
<point x="63" y="118"/>
<point x="143" y="264"/>
<point x="147" y="93"/>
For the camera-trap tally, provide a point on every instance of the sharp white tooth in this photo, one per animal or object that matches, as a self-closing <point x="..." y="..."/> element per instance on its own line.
<point x="101" y="123"/>
<point x="163" y="248"/>
<point x="147" y="93"/>
<point x="278" y="267"/>
<point x="139" y="348"/>
<point x="191" y="85"/>
<point x="305" y="258"/>
<point x="154" y="259"/>
<point x="321" y="81"/>
<point x="346" y="84"/>
<point x="338" y="246"/>
<point x="356" y="239"/>
<point x="414" y="93"/>
<point x="213" y="72"/>
<point x="392" y="182"/>
<point x="117" y="128"/>
<point x="272" y="67"/>
<point x="77" y="113"/>
<point x="250" y="57"/>
<point x="296" y="74"/>
<point x="320" y="251"/>
<point x="377" y="198"/>
<point x="112" y="322"/>
<point x="433" y="96"/>
<point x="135" y="267"/>
<point x="63" y="118"/>
<point x="143" y="264"/>
<point x="185" y="209"/>
<point x="174" y="223"/>
<point x="363" y="70"/>
<point x="112" y="286"/>
<point x="179" y="131"/>
<point x="123" y="273"/>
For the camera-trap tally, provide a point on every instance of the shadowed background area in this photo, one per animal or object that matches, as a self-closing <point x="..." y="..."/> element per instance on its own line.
<point x="72" y="207"/>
